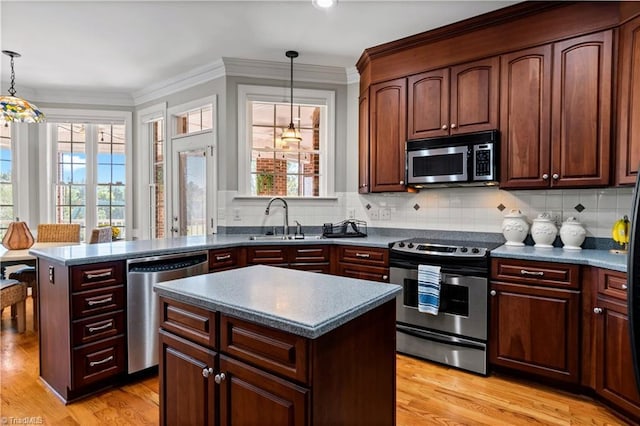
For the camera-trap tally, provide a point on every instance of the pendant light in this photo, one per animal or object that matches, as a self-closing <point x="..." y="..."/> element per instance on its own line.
<point x="291" y="134"/>
<point x="14" y="108"/>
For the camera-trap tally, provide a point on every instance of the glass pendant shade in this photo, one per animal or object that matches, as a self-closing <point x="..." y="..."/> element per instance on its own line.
<point x="16" y="109"/>
<point x="291" y="134"/>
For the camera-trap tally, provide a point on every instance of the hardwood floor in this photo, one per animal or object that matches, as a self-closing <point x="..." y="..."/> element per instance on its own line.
<point x="428" y="394"/>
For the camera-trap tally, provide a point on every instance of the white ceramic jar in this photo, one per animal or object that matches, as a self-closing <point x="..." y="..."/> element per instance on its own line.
<point x="544" y="230"/>
<point x="572" y="234"/>
<point x="515" y="228"/>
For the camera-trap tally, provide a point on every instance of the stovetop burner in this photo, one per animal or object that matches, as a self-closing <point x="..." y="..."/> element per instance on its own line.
<point x="432" y="247"/>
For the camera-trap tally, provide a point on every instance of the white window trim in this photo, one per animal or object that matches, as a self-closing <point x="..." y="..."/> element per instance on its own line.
<point x="212" y="189"/>
<point x="48" y="151"/>
<point x="144" y="170"/>
<point x="248" y="93"/>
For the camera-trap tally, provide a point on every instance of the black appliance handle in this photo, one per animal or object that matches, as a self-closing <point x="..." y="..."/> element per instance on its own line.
<point x="633" y="282"/>
<point x="440" y="338"/>
<point x="444" y="269"/>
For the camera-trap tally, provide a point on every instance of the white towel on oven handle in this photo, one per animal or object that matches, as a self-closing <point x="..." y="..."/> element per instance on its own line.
<point x="429" y="289"/>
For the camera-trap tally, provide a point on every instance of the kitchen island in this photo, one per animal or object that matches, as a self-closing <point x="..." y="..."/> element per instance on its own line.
<point x="265" y="345"/>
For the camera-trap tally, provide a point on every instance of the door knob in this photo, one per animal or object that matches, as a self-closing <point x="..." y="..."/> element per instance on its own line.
<point x="545" y="176"/>
<point x="597" y="310"/>
<point x="555" y="176"/>
<point x="453" y="125"/>
<point x="206" y="372"/>
<point x="444" y="127"/>
<point x="493" y="292"/>
<point x="624" y="286"/>
<point x="218" y="378"/>
<point x="401" y="182"/>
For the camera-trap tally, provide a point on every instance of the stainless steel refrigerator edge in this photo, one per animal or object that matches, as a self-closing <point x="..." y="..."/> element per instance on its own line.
<point x="633" y="278"/>
<point x="143" y="319"/>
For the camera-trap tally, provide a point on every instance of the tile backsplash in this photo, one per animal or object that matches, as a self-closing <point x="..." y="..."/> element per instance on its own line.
<point x="456" y="209"/>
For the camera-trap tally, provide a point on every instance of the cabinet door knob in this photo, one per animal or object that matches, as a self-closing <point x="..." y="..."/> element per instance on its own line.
<point x="385" y="277"/>
<point x="555" y="176"/>
<point x="624" y="286"/>
<point x="401" y="182"/>
<point x="545" y="176"/>
<point x="453" y="125"/>
<point x="444" y="127"/>
<point x="493" y="292"/>
<point x="206" y="372"/>
<point x="218" y="378"/>
<point x="597" y="310"/>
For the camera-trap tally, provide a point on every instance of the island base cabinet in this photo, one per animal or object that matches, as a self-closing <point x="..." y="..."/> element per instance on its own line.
<point x="273" y="401"/>
<point x="187" y="386"/>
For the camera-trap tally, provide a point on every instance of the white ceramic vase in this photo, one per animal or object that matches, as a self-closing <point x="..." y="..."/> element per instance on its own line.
<point x="543" y="230"/>
<point x="515" y="228"/>
<point x="572" y="234"/>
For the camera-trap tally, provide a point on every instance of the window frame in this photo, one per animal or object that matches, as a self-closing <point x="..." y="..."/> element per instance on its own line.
<point x="325" y="98"/>
<point x="48" y="151"/>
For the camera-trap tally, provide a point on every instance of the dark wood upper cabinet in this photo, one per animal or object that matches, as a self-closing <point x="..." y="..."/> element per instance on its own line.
<point x="448" y="101"/>
<point x="474" y="96"/>
<point x="428" y="114"/>
<point x="581" y="111"/>
<point x="363" y="144"/>
<point x="525" y="109"/>
<point x="388" y="121"/>
<point x="628" y="141"/>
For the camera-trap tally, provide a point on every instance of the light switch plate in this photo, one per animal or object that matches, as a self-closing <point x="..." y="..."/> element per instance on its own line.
<point x="385" y="214"/>
<point x="236" y="214"/>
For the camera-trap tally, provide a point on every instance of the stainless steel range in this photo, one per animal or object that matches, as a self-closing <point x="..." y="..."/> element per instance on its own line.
<point x="457" y="335"/>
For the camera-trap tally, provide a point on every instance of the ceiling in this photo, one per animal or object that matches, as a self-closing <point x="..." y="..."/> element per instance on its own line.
<point x="127" y="46"/>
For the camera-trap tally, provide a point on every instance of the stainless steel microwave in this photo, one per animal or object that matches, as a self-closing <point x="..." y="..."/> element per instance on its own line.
<point x="466" y="160"/>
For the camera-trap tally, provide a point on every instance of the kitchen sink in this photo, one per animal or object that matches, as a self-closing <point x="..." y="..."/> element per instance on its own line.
<point x="283" y="237"/>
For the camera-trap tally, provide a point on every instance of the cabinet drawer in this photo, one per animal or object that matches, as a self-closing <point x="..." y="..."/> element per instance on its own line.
<point x="96" y="275"/>
<point x="309" y="254"/>
<point x="98" y="361"/>
<point x="612" y="283"/>
<point x="323" y="268"/>
<point x="96" y="302"/>
<point x="222" y="259"/>
<point x="192" y="323"/>
<point x="267" y="255"/>
<point x="364" y="255"/>
<point x="98" y="327"/>
<point x="538" y="273"/>
<point x="372" y="273"/>
<point x="264" y="347"/>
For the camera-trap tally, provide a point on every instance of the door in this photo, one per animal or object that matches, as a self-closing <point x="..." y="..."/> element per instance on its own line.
<point x="581" y="105"/>
<point x="526" y="118"/>
<point x="388" y="106"/>
<point x="192" y="188"/>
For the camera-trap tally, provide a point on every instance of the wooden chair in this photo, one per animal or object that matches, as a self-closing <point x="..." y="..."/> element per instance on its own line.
<point x="101" y="235"/>
<point x="13" y="293"/>
<point x="58" y="232"/>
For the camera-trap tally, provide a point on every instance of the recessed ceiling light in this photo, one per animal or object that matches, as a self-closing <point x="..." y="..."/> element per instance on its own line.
<point x="324" y="4"/>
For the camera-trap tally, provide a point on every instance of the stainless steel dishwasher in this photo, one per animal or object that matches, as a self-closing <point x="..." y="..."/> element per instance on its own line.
<point x="142" y="303"/>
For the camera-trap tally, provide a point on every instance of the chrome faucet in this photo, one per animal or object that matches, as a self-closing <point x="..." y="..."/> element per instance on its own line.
<point x="285" y="227"/>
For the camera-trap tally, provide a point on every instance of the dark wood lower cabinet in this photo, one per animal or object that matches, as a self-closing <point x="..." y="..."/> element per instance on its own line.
<point x="275" y="402"/>
<point x="187" y="396"/>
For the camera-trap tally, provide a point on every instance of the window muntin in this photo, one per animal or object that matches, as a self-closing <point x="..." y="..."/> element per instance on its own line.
<point x="279" y="168"/>
<point x="194" y="121"/>
<point x="71" y="158"/>
<point x="6" y="179"/>
<point x="158" y="176"/>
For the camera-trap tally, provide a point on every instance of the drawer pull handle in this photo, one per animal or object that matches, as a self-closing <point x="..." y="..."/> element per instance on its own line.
<point x="218" y="378"/>
<point x="534" y="273"/>
<point x="102" y="361"/>
<point x="363" y="255"/>
<point x="624" y="286"/>
<point x="225" y="257"/>
<point x="100" y="275"/>
<point x="101" y="327"/>
<point x="100" y="301"/>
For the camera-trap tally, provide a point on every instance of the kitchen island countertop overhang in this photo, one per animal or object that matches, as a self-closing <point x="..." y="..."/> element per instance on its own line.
<point x="299" y="302"/>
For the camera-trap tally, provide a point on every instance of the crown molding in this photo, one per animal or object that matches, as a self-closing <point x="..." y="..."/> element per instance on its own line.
<point x="280" y="71"/>
<point x="180" y="82"/>
<point x="75" y="96"/>
<point x="353" y="76"/>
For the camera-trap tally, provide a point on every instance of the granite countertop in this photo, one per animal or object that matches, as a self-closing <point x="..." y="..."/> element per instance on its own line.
<point x="598" y="258"/>
<point x="304" y="303"/>
<point x="119" y="250"/>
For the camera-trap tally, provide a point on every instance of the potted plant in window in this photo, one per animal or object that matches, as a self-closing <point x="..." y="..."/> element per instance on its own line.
<point x="264" y="183"/>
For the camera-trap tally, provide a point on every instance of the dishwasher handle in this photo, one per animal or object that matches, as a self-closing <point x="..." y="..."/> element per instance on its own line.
<point x="167" y="263"/>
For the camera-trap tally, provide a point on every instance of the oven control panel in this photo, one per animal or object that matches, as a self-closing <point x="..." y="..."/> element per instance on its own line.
<point x="431" y="249"/>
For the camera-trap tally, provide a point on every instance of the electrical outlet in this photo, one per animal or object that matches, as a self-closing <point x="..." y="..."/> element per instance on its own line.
<point x="385" y="214"/>
<point x="374" y="214"/>
<point x="351" y="213"/>
<point x="236" y="214"/>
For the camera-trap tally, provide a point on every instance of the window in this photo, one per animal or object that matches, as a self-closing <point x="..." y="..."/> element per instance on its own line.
<point x="71" y="189"/>
<point x="158" y="176"/>
<point x="194" y="121"/>
<point x="110" y="184"/>
<point x="266" y="166"/>
<point x="6" y="179"/>
<point x="278" y="168"/>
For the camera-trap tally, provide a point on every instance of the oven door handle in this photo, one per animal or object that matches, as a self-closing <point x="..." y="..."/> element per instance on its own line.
<point x="440" y="338"/>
